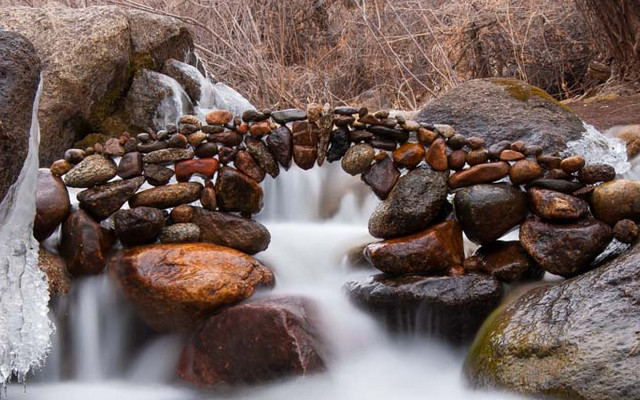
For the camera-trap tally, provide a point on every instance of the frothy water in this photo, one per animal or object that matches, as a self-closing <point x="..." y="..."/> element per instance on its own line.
<point x="24" y="325"/>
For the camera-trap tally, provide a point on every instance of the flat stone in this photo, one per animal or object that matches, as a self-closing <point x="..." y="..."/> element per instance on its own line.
<point x="555" y="206"/>
<point x="237" y="192"/>
<point x="167" y="196"/>
<point x="180" y="233"/>
<point x="93" y="170"/>
<point x="345" y="110"/>
<point x="204" y="167"/>
<point x="507" y="261"/>
<point x="616" y="200"/>
<point x="410" y="304"/>
<point x="289" y="115"/>
<point x="413" y="205"/>
<point x="559" y="185"/>
<point x="381" y="177"/>
<point x="166" y="156"/>
<point x="396" y="135"/>
<point x="102" y="201"/>
<point x="488" y="211"/>
<point x="339" y="144"/>
<point x="227" y="138"/>
<point x="432" y="250"/>
<point x="481" y="173"/>
<point x="84" y="244"/>
<point x="140" y="225"/>
<point x="157" y="175"/>
<point x="565" y="249"/>
<point x="229" y="230"/>
<point x="52" y="204"/>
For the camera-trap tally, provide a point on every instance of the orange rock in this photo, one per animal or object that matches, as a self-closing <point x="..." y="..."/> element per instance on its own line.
<point x="202" y="166"/>
<point x="511" y="155"/>
<point x="174" y="286"/>
<point x="258" y="129"/>
<point x="436" y="156"/>
<point x="219" y="117"/>
<point x="524" y="171"/>
<point x="409" y="155"/>
<point x="481" y="173"/>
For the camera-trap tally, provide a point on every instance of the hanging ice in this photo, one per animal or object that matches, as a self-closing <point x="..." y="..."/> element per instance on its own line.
<point x="24" y="295"/>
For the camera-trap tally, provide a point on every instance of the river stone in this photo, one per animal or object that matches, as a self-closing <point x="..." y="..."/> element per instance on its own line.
<point x="558" y="185"/>
<point x="524" y="171"/>
<point x="595" y="173"/>
<point x="565" y="249"/>
<point x="180" y="233"/>
<point x="246" y="164"/>
<point x="289" y="115"/>
<point x="616" y="200"/>
<point x="488" y="211"/>
<point x="433" y="250"/>
<point x="481" y="173"/>
<point x="413" y="204"/>
<point x="175" y="286"/>
<point x="54" y="267"/>
<point x="555" y="206"/>
<point x="89" y="57"/>
<point x="478" y="108"/>
<point x="130" y="165"/>
<point x="157" y="175"/>
<point x="507" y="261"/>
<point x="263" y="156"/>
<point x="339" y="144"/>
<point x="381" y="177"/>
<point x="52" y="204"/>
<point x="436" y="155"/>
<point x="102" y="201"/>
<point x="229" y="230"/>
<point x="358" y="158"/>
<point x="625" y="231"/>
<point x="205" y="167"/>
<point x="409" y="155"/>
<point x="575" y="339"/>
<point x="167" y="196"/>
<point x="263" y="340"/>
<point x="280" y="143"/>
<point x="450" y="308"/>
<point x="166" y="156"/>
<point x="19" y="80"/>
<point x="84" y="244"/>
<point x="140" y="225"/>
<point x="93" y="170"/>
<point x="237" y="192"/>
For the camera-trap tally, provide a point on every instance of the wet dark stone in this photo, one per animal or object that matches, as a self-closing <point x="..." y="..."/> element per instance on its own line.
<point x="130" y="165"/>
<point x="253" y="116"/>
<point x="206" y="150"/>
<point x="450" y="308"/>
<point x="280" y="143"/>
<point x="227" y="138"/>
<point x="237" y="192"/>
<point x="227" y="154"/>
<point x="381" y="177"/>
<point x="229" y="230"/>
<point x="383" y="144"/>
<point x="339" y="144"/>
<point x="507" y="261"/>
<point x="345" y="110"/>
<point x="488" y="211"/>
<point x="565" y="249"/>
<point x="389" y="133"/>
<point x="157" y="175"/>
<point x="52" y="204"/>
<point x="555" y="206"/>
<point x="258" y="149"/>
<point x="246" y="164"/>
<point x="289" y="115"/>
<point x="102" y="201"/>
<point x="594" y="173"/>
<point x="140" y="225"/>
<point x="85" y="244"/>
<point x="152" y="146"/>
<point x="559" y="185"/>
<point x="359" y="135"/>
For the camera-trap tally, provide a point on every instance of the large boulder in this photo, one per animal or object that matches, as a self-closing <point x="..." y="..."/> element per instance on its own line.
<point x="175" y="286"/>
<point x="505" y="109"/>
<point x="267" y="339"/>
<point x="19" y="77"/>
<point x="574" y="340"/>
<point x="89" y="56"/>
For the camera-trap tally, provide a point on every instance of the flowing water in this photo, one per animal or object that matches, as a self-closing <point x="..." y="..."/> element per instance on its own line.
<point x="102" y="351"/>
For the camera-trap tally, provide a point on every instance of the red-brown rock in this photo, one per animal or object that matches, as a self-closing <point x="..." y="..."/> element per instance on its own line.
<point x="511" y="155"/>
<point x="246" y="164"/>
<point x="409" y="155"/>
<point x="481" y="173"/>
<point x="556" y="206"/>
<point x="85" y="244"/>
<point x="52" y="204"/>
<point x="436" y="156"/>
<point x="524" y="171"/>
<point x="219" y="117"/>
<point x="507" y="261"/>
<point x="260" y="341"/>
<point x="457" y="159"/>
<point x="381" y="177"/>
<point x="205" y="167"/>
<point x="237" y="192"/>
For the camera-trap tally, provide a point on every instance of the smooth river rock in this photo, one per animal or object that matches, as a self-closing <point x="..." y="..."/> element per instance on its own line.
<point x="432" y="250"/>
<point x="450" y="308"/>
<point x="413" y="204"/>
<point x="280" y="143"/>
<point x="229" y="230"/>
<point x="555" y="206"/>
<point x="140" y="225"/>
<point x="93" y="170"/>
<point x="507" y="261"/>
<point x="260" y="341"/>
<point x="85" y="244"/>
<point x="237" y="192"/>
<point x="577" y="339"/>
<point x="167" y="196"/>
<point x="357" y="159"/>
<point x="52" y="204"/>
<point x="616" y="200"/>
<point x="565" y="249"/>
<point x="381" y="177"/>
<point x="481" y="173"/>
<point x="102" y="201"/>
<point x="488" y="211"/>
<point x="175" y="286"/>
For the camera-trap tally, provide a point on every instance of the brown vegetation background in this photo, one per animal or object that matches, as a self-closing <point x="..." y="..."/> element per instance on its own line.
<point x="383" y="53"/>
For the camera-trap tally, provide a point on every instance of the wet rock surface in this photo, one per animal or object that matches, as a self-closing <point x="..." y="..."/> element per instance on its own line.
<point x="481" y="173"/>
<point x="93" y="170"/>
<point x="617" y="200"/>
<point x="85" y="244"/>
<point x="239" y="233"/>
<point x="409" y="304"/>
<point x="167" y="196"/>
<point x="556" y="206"/>
<point x="102" y="201"/>
<point x="256" y="342"/>
<point x="565" y="249"/>
<point x="55" y="269"/>
<point x="175" y="286"/>
<point x="573" y="339"/>
<point x="412" y="205"/>
<point x="381" y="177"/>
<point x="237" y="192"/>
<point x="52" y="204"/>
<point x="507" y="261"/>
<point x="140" y="225"/>
<point x="488" y="211"/>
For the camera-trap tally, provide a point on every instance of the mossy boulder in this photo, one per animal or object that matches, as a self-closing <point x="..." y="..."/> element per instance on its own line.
<point x="89" y="57"/>
<point x="497" y="109"/>
<point x="579" y="339"/>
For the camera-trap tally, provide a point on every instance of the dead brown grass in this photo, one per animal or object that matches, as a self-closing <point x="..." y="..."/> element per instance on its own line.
<point x="383" y="53"/>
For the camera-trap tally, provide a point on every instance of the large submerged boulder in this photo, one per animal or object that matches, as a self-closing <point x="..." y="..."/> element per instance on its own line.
<point x="576" y="340"/>
<point x="174" y="286"/>
<point x="19" y="78"/>
<point x="89" y="56"/>
<point x="497" y="109"/>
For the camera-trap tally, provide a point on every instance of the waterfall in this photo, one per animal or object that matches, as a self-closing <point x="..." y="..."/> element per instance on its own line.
<point x="24" y="295"/>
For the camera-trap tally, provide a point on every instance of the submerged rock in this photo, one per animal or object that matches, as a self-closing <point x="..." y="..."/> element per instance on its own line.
<point x="451" y="308"/>
<point x="571" y="340"/>
<point x="414" y="203"/>
<point x="488" y="211"/>
<point x="52" y="204"/>
<point x="175" y="286"/>
<point x="85" y="244"/>
<point x="229" y="230"/>
<point x="260" y="341"/>
<point x="433" y="250"/>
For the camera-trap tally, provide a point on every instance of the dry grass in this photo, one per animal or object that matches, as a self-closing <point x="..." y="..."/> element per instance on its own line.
<point x="383" y="53"/>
